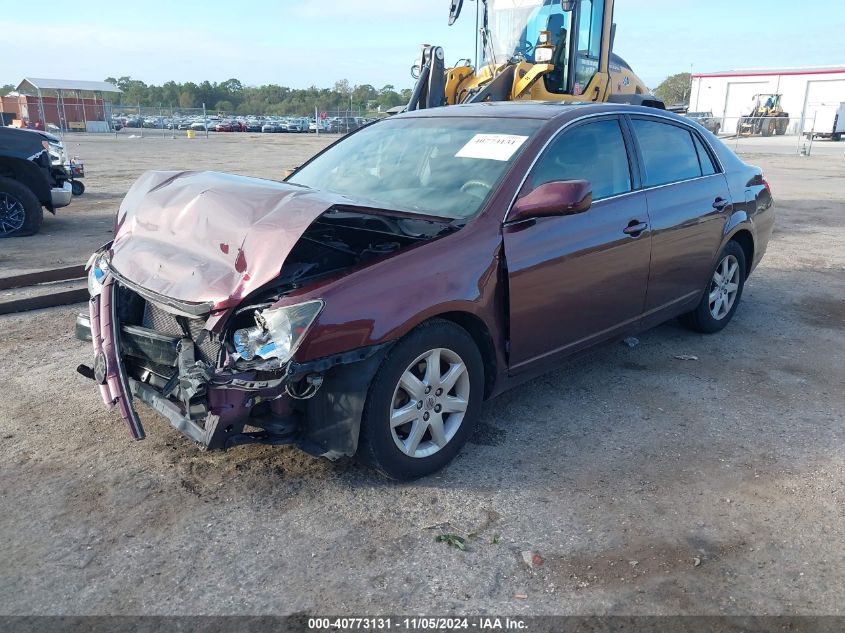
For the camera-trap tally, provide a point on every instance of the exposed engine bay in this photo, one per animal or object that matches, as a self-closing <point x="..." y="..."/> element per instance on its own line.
<point x="344" y="238"/>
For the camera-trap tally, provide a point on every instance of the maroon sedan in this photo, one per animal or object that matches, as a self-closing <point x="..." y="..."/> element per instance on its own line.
<point x="367" y="305"/>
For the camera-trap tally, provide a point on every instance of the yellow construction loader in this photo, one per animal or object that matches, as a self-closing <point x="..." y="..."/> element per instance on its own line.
<point x="548" y="50"/>
<point x="767" y="117"/>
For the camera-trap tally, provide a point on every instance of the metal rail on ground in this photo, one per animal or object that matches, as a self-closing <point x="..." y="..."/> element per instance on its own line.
<point x="49" y="299"/>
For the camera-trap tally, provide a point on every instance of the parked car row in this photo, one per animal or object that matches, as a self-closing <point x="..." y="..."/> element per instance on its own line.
<point x="266" y="124"/>
<point x="286" y="124"/>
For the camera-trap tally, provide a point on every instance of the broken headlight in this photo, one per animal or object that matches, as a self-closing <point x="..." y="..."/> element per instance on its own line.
<point x="98" y="268"/>
<point x="276" y="336"/>
<point x="58" y="155"/>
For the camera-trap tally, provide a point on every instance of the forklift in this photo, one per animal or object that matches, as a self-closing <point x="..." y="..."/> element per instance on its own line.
<point x="766" y="119"/>
<point x="546" y="50"/>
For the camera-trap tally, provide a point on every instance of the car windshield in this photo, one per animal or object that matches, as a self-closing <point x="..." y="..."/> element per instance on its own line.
<point x="443" y="167"/>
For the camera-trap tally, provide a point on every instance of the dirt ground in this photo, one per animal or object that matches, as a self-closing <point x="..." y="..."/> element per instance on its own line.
<point x="646" y="484"/>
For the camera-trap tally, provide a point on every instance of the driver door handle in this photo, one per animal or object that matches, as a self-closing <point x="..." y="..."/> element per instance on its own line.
<point x="634" y="228"/>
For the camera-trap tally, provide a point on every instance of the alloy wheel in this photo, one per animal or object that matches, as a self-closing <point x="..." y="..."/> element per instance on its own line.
<point x="724" y="287"/>
<point x="12" y="213"/>
<point x="429" y="403"/>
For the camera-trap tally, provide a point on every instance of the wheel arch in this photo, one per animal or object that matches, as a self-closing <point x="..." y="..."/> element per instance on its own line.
<point x="28" y="174"/>
<point x="480" y="333"/>
<point x="746" y="241"/>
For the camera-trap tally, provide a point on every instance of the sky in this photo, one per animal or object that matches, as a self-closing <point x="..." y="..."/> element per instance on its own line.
<point x="301" y="43"/>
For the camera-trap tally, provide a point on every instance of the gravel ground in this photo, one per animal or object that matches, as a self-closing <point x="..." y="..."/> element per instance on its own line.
<point x="645" y="484"/>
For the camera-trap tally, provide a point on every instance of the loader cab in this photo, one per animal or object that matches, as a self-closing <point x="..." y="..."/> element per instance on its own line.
<point x="576" y="30"/>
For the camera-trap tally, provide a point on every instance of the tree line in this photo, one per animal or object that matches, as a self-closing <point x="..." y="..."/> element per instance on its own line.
<point x="233" y="97"/>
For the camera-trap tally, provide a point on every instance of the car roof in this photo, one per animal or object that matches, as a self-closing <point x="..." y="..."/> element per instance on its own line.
<point x="546" y="110"/>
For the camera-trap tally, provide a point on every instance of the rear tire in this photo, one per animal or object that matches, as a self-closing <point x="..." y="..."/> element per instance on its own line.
<point x="20" y="211"/>
<point x="417" y="416"/>
<point x="77" y="187"/>
<point x="722" y="294"/>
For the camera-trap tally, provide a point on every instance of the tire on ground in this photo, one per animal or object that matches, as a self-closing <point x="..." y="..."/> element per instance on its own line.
<point x="376" y="446"/>
<point x="700" y="319"/>
<point x="33" y="213"/>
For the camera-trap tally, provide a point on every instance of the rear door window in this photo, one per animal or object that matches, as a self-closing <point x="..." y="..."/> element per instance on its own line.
<point x="592" y="151"/>
<point x="669" y="152"/>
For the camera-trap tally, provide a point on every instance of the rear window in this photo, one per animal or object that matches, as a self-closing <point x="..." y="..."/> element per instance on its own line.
<point x="668" y="151"/>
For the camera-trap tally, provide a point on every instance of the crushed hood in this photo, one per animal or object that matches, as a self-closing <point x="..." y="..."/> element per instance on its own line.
<point x="201" y="237"/>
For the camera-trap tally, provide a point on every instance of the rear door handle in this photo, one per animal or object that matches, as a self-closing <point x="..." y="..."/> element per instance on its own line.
<point x="720" y="204"/>
<point x="634" y="228"/>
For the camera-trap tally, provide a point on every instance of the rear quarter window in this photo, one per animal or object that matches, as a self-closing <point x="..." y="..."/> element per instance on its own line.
<point x="704" y="159"/>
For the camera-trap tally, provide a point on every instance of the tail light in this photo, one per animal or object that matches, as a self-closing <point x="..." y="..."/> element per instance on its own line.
<point x="766" y="184"/>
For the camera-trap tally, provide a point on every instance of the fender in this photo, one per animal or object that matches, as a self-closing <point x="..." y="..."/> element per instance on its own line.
<point x="30" y="174"/>
<point x="380" y="303"/>
<point x="735" y="222"/>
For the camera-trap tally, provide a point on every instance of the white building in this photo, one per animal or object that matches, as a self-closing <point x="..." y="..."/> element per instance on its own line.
<point x="808" y="94"/>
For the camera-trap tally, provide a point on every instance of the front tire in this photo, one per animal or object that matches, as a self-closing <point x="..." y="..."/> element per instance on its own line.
<point x="423" y="403"/>
<point x="77" y="187"/>
<point x="722" y="294"/>
<point x="20" y="211"/>
<point x="769" y="128"/>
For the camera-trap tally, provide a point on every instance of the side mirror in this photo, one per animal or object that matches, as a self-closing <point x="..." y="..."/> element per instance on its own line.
<point x="561" y="197"/>
<point x="455" y="11"/>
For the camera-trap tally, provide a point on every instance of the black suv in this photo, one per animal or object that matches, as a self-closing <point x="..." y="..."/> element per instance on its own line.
<point x="29" y="181"/>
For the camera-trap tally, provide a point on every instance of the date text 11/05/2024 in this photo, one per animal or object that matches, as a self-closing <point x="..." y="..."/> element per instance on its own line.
<point x="422" y="623"/>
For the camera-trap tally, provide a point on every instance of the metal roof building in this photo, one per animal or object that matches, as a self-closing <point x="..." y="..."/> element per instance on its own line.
<point x="36" y="84"/>
<point x="809" y="94"/>
<point x="62" y="102"/>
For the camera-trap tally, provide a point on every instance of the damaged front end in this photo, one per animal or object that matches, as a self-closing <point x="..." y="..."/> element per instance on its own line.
<point x="224" y="373"/>
<point x="159" y="352"/>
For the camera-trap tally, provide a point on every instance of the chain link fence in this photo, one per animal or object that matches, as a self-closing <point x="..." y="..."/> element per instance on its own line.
<point x="765" y="134"/>
<point x="743" y="134"/>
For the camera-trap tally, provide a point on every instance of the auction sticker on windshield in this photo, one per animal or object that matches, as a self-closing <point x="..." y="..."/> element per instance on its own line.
<point x="492" y="146"/>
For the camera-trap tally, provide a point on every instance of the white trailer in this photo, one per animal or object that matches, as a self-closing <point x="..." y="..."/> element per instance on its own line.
<point x="829" y="122"/>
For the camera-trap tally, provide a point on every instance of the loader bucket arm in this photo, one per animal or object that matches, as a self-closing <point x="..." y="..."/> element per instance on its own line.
<point x="430" y="89"/>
